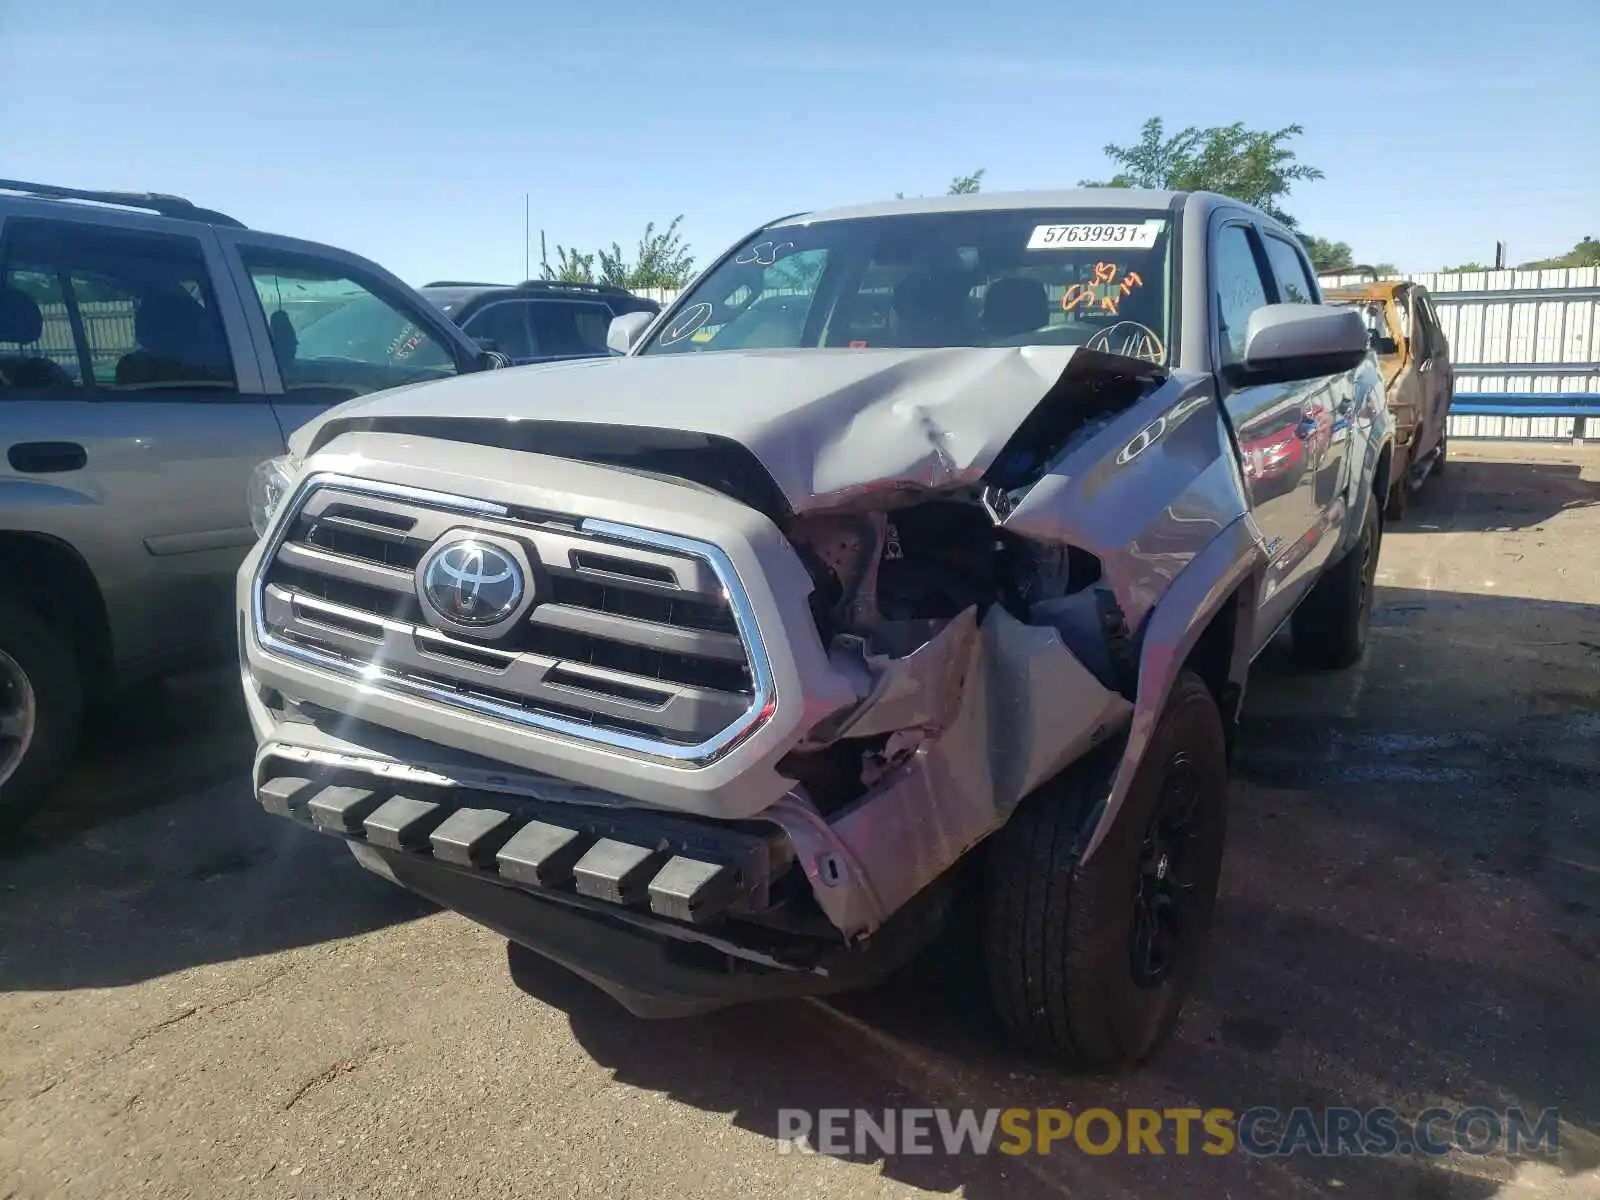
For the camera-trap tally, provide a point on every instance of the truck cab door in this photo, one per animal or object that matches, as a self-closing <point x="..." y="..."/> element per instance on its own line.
<point x="1282" y="429"/>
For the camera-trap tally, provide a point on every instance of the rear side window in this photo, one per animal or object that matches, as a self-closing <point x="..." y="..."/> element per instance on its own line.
<point x="1240" y="289"/>
<point x="1295" y="285"/>
<point x="122" y="312"/>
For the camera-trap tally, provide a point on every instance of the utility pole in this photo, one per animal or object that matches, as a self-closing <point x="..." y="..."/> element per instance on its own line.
<point x="527" y="235"/>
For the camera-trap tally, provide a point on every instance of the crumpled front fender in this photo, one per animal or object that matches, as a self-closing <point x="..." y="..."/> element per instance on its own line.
<point x="1232" y="564"/>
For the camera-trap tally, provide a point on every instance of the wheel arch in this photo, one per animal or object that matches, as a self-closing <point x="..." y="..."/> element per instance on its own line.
<point x="53" y="580"/>
<point x="1205" y="622"/>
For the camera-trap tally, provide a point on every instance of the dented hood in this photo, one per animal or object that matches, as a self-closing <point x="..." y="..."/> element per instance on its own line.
<point x="826" y="424"/>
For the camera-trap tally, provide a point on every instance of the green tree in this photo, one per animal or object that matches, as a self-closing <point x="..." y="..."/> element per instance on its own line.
<point x="1253" y="165"/>
<point x="1585" y="254"/>
<point x="1326" y="255"/>
<point x="1469" y="266"/>
<point x="663" y="260"/>
<point x="967" y="185"/>
<point x="1337" y="256"/>
<point x="572" y="267"/>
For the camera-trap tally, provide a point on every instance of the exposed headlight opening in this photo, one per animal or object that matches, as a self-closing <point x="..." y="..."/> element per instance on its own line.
<point x="270" y="482"/>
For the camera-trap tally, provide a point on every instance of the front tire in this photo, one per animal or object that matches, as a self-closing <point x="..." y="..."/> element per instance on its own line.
<point x="1329" y="629"/>
<point x="1089" y="963"/>
<point x="41" y="710"/>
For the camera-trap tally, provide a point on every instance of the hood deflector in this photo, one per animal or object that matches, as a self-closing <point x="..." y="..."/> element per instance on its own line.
<point x="716" y="463"/>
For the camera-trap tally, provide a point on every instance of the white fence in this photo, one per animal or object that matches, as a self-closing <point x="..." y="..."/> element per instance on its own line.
<point x="662" y="296"/>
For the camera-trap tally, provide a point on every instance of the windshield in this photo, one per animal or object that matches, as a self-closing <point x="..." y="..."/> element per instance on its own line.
<point x="1052" y="277"/>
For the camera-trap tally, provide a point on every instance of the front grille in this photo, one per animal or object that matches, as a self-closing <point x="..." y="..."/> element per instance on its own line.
<point x="635" y="639"/>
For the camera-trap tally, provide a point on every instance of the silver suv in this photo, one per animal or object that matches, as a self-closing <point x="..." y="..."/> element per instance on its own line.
<point x="151" y="353"/>
<point x="917" y="545"/>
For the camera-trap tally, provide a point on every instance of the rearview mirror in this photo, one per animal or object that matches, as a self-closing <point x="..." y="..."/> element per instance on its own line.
<point x="1288" y="342"/>
<point x="626" y="330"/>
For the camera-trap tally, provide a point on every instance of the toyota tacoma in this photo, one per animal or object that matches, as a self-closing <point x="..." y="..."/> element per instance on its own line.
<point x="912" y="553"/>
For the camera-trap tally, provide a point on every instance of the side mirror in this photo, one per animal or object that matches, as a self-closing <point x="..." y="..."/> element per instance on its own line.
<point x="1288" y="342"/>
<point x="1384" y="345"/>
<point x="491" y="360"/>
<point x="626" y="330"/>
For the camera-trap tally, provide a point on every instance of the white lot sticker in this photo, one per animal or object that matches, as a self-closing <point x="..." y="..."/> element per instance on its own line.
<point x="1096" y="237"/>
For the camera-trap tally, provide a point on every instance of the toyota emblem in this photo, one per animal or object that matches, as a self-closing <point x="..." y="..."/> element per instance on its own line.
<point x="472" y="582"/>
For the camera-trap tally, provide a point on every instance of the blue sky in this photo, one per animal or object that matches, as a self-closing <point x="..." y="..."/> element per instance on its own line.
<point x="409" y="132"/>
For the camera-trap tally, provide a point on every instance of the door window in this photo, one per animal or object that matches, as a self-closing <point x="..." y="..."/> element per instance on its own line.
<point x="1402" y="310"/>
<point x="1295" y="285"/>
<point x="330" y="330"/>
<point x="504" y="326"/>
<point x="1421" y="330"/>
<point x="1437" y="346"/>
<point x="135" y="310"/>
<point x="1240" y="289"/>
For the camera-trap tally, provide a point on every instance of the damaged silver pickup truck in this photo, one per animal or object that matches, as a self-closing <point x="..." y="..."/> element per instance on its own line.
<point x="912" y="554"/>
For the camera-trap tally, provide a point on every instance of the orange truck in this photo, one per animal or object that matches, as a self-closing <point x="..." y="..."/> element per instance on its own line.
<point x="1414" y="356"/>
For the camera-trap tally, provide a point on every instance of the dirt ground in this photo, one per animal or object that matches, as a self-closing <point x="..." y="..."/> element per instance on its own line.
<point x="199" y="1000"/>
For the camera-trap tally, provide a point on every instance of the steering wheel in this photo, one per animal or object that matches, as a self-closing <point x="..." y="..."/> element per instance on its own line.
<point x="1130" y="339"/>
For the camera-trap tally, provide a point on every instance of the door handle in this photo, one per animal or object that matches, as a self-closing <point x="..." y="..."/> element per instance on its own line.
<point x="47" y="458"/>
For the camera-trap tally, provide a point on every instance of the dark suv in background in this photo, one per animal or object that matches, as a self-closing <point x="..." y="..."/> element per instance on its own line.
<point x="538" y="320"/>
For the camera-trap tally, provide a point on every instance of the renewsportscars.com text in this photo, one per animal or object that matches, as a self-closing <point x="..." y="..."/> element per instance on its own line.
<point x="1260" y="1131"/>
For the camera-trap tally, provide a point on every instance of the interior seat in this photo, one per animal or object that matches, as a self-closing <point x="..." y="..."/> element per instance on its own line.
<point x="178" y="341"/>
<point x="22" y="324"/>
<point x="1015" y="305"/>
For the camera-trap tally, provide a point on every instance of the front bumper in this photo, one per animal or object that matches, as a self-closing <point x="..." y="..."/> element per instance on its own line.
<point x="669" y="917"/>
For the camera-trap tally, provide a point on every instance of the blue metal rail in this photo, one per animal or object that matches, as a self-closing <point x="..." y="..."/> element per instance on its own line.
<point x="1526" y="404"/>
<point x="1525" y="416"/>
